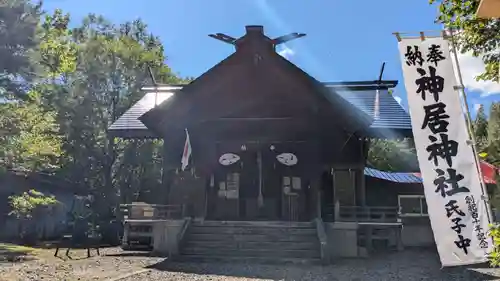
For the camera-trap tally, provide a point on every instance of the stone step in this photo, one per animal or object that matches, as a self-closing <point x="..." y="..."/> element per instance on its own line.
<point x="251" y="230"/>
<point x="259" y="260"/>
<point x="236" y="245"/>
<point x="249" y="237"/>
<point x="268" y="253"/>
<point x="267" y="242"/>
<point x="272" y="224"/>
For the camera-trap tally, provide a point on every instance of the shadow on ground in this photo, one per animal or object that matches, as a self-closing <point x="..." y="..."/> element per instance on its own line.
<point x="54" y="244"/>
<point x="16" y="252"/>
<point x="408" y="265"/>
<point x="132" y="254"/>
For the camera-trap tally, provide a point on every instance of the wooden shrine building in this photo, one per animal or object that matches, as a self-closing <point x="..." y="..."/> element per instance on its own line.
<point x="269" y="142"/>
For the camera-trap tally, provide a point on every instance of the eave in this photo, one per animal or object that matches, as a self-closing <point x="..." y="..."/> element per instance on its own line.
<point x="488" y="9"/>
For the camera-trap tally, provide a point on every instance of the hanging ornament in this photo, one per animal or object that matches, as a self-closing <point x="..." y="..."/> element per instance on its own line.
<point x="287" y="159"/>
<point x="228" y="159"/>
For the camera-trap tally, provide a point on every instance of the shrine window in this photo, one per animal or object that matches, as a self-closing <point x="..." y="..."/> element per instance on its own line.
<point x="229" y="188"/>
<point x="291" y="185"/>
<point x="412" y="205"/>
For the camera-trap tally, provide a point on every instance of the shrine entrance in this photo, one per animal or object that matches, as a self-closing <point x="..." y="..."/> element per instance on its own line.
<point x="255" y="181"/>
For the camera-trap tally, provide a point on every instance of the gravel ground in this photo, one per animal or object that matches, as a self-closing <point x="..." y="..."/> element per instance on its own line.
<point x="406" y="266"/>
<point x="112" y="263"/>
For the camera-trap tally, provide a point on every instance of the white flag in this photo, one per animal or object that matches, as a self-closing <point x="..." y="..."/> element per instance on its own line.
<point x="186" y="154"/>
<point x="455" y="198"/>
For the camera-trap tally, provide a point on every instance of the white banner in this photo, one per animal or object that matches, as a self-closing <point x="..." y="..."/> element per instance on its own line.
<point x="457" y="211"/>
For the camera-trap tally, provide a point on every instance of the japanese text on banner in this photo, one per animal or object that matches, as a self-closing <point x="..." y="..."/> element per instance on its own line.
<point x="459" y="216"/>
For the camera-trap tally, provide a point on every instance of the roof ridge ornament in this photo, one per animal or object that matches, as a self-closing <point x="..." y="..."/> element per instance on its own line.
<point x="253" y="29"/>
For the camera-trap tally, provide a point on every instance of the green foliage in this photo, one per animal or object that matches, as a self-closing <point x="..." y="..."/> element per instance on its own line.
<point x="481" y="130"/>
<point x="19" y="19"/>
<point x="493" y="151"/>
<point x="479" y="36"/>
<point x="30" y="139"/>
<point x="393" y="156"/>
<point x="86" y="77"/>
<point x="110" y="67"/>
<point x="57" y="52"/>
<point x="493" y="147"/>
<point x="494" y="256"/>
<point x="31" y="204"/>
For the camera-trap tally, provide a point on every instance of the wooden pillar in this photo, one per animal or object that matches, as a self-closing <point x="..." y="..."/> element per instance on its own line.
<point x="369" y="239"/>
<point x="365" y="146"/>
<point x="168" y="169"/>
<point x="314" y="175"/>
<point x="315" y="199"/>
<point x="126" y="230"/>
<point x="399" y="239"/>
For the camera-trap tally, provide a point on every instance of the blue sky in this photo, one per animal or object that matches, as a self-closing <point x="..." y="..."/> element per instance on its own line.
<point x="346" y="40"/>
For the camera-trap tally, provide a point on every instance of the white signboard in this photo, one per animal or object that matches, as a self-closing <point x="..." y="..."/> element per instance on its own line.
<point x="458" y="213"/>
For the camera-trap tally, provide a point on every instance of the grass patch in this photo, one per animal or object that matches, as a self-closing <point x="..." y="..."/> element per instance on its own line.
<point x="13" y="248"/>
<point x="13" y="252"/>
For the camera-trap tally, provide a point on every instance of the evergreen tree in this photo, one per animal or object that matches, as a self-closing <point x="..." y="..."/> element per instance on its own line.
<point x="481" y="130"/>
<point x="493" y="149"/>
<point x="18" y="24"/>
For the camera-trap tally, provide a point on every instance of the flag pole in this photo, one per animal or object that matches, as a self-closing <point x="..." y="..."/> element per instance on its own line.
<point x="155" y="85"/>
<point x="376" y="105"/>
<point x="461" y="89"/>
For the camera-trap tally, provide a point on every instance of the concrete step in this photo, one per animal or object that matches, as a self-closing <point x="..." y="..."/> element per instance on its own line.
<point x="284" y="253"/>
<point x="236" y="245"/>
<point x="267" y="242"/>
<point x="252" y="230"/>
<point x="249" y="237"/>
<point x="272" y="224"/>
<point x="259" y="260"/>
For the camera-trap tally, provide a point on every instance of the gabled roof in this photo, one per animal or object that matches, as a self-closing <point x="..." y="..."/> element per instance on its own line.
<point x="391" y="119"/>
<point x="349" y="116"/>
<point x="154" y="116"/>
<point x="388" y="114"/>
<point x="129" y="124"/>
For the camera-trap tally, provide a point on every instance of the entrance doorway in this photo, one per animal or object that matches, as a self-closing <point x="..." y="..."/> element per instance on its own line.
<point x="253" y="184"/>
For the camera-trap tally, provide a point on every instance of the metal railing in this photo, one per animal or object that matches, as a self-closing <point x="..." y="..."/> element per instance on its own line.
<point x="380" y="214"/>
<point x="367" y="214"/>
<point x="143" y="211"/>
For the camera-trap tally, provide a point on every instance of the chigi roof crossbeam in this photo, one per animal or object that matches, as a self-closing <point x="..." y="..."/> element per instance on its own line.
<point x="257" y="29"/>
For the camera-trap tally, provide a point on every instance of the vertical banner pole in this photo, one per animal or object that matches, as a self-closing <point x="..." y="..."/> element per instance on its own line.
<point x="469" y="124"/>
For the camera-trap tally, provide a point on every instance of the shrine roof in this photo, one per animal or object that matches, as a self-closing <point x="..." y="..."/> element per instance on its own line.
<point x="393" y="176"/>
<point x="389" y="118"/>
<point x="129" y="125"/>
<point x="489" y="171"/>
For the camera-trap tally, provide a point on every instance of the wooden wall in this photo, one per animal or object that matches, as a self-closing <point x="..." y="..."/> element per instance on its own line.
<point x="385" y="193"/>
